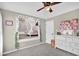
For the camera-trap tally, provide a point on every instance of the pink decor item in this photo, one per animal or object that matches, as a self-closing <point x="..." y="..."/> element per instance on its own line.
<point x="69" y="25"/>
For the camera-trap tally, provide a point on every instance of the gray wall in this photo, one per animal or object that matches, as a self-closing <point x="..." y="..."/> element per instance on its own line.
<point x="9" y="31"/>
<point x="65" y="16"/>
<point x="43" y="30"/>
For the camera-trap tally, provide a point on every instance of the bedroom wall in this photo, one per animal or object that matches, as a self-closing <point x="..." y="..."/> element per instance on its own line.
<point x="43" y="30"/>
<point x="9" y="31"/>
<point x="65" y="16"/>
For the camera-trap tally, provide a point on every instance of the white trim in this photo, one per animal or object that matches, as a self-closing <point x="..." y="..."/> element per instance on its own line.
<point x="22" y="48"/>
<point x="1" y="35"/>
<point x="10" y="51"/>
<point x="29" y="39"/>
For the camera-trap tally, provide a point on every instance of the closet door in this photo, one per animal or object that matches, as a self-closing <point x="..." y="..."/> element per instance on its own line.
<point x="49" y="31"/>
<point x="1" y="34"/>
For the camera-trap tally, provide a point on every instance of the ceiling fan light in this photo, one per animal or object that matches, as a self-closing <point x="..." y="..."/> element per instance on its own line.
<point x="48" y="8"/>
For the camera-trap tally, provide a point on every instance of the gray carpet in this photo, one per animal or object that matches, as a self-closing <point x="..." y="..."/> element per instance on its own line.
<point x="40" y="50"/>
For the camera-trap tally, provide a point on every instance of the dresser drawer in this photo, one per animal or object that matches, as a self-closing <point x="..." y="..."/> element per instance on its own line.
<point x="69" y="39"/>
<point x="75" y="45"/>
<point x="61" y="45"/>
<point x="60" y="37"/>
<point x="75" y="40"/>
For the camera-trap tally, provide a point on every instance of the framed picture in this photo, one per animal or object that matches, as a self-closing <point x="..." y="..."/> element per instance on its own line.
<point x="9" y="22"/>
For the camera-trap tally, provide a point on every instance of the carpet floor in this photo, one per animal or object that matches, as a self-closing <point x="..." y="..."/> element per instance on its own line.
<point x="40" y="50"/>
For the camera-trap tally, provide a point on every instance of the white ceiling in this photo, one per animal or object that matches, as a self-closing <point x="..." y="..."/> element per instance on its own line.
<point x="30" y="8"/>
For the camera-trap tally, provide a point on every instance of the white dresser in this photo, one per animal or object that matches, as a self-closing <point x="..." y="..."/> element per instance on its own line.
<point x="68" y="43"/>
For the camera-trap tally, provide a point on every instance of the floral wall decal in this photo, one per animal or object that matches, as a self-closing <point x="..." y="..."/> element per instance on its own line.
<point x="69" y="25"/>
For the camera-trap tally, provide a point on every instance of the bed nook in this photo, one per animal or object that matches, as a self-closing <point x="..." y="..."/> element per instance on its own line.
<point x="28" y="30"/>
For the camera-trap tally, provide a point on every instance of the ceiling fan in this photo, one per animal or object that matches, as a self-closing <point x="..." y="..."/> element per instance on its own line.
<point x="48" y="4"/>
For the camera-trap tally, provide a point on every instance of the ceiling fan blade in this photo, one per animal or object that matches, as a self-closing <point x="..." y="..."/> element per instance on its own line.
<point x="46" y="3"/>
<point x="40" y="8"/>
<point x="54" y="3"/>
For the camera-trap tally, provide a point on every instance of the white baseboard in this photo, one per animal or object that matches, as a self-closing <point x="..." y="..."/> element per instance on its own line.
<point x="48" y="42"/>
<point x="10" y="51"/>
<point x="21" y="48"/>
